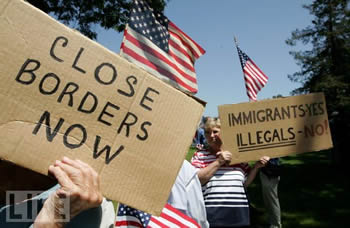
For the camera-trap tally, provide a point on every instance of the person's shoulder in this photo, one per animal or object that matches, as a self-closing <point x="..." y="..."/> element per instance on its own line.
<point x="187" y="172"/>
<point x="202" y="158"/>
<point x="187" y="167"/>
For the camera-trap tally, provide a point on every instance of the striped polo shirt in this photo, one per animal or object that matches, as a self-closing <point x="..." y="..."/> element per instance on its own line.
<point x="225" y="198"/>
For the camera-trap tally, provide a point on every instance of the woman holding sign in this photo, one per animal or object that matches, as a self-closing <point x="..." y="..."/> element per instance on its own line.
<point x="223" y="184"/>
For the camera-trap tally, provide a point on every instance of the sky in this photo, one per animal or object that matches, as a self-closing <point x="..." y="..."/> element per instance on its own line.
<point x="261" y="28"/>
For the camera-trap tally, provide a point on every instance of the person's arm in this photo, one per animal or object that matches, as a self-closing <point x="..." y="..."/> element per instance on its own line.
<point x="252" y="174"/>
<point x="79" y="185"/>
<point x="204" y="174"/>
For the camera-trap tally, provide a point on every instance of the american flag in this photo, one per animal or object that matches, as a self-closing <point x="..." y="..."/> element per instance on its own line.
<point x="170" y="217"/>
<point x="254" y="78"/>
<point x="156" y="44"/>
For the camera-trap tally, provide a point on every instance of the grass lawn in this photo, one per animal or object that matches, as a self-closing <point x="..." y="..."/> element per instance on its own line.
<point x="312" y="193"/>
<point x="190" y="153"/>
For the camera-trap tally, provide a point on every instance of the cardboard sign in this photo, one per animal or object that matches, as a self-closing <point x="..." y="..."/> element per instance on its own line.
<point x="62" y="94"/>
<point x="276" y="127"/>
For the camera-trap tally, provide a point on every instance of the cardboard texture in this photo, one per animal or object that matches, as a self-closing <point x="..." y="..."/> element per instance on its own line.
<point x="275" y="127"/>
<point x="63" y="94"/>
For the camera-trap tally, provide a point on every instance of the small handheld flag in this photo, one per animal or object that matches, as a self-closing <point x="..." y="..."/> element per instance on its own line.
<point x="128" y="217"/>
<point x="156" y="44"/>
<point x="254" y="78"/>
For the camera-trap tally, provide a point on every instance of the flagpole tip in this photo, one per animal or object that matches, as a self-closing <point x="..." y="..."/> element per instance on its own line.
<point x="235" y="39"/>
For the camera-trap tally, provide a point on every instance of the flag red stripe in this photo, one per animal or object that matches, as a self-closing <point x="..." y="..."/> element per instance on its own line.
<point x="127" y="223"/>
<point x="159" y="56"/>
<point x="162" y="71"/>
<point x="253" y="72"/>
<point x="261" y="73"/>
<point x="182" y="62"/>
<point x="251" y="89"/>
<point x="156" y="221"/>
<point x="251" y="93"/>
<point x="170" y="208"/>
<point x="249" y="83"/>
<point x="250" y="96"/>
<point x="257" y="72"/>
<point x="184" y="49"/>
<point x="252" y="79"/>
<point x="171" y="219"/>
<point x="260" y="84"/>
<point x="200" y="49"/>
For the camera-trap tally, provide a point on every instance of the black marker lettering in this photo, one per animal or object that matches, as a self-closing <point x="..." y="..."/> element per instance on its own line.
<point x="49" y="135"/>
<point x="98" y="70"/>
<point x="65" y="91"/>
<point x="81" y="107"/>
<point x="64" y="44"/>
<point x="145" y="97"/>
<point x="45" y="78"/>
<point x="142" y="138"/>
<point x="104" y="111"/>
<point x="127" y="124"/>
<point x="107" y="148"/>
<point x="131" y="80"/>
<point x="29" y="71"/>
<point x="66" y="134"/>
<point x="76" y="61"/>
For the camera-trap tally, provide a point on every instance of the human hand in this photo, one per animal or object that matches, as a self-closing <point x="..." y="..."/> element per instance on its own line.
<point x="80" y="187"/>
<point x="224" y="157"/>
<point x="79" y="182"/>
<point x="262" y="162"/>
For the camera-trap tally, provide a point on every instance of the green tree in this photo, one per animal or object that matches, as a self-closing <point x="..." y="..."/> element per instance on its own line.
<point x="277" y="96"/>
<point x="83" y="15"/>
<point x="326" y="67"/>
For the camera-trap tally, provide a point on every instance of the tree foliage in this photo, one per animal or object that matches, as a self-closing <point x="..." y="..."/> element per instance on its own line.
<point x="326" y="67"/>
<point x="84" y="15"/>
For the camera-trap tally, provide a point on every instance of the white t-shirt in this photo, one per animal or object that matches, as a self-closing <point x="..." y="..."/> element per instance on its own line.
<point x="186" y="194"/>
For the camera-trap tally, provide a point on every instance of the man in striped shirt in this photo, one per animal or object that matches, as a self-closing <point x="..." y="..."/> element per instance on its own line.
<point x="223" y="185"/>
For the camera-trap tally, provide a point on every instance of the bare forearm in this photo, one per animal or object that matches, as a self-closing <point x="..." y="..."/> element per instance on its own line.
<point x="48" y="218"/>
<point x="251" y="176"/>
<point x="208" y="172"/>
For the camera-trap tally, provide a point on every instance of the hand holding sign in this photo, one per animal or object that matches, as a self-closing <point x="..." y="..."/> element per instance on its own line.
<point x="224" y="157"/>
<point x="262" y="162"/>
<point x="80" y="187"/>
